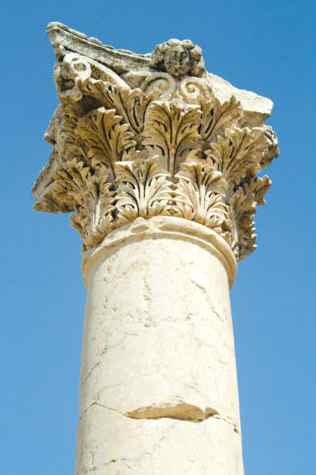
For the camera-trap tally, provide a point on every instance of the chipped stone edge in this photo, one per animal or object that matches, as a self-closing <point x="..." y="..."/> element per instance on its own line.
<point x="62" y="35"/>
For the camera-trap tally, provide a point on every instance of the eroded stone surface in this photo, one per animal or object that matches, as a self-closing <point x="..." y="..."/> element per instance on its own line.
<point x="180" y="411"/>
<point x="147" y="135"/>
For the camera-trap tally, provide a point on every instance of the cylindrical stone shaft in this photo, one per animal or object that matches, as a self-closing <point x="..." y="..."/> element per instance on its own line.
<point x="158" y="379"/>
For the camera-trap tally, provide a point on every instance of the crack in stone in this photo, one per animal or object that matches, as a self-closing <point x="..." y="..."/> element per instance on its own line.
<point x="180" y="412"/>
<point x="90" y="372"/>
<point x="229" y="421"/>
<point x="204" y="291"/>
<point x="132" y="462"/>
<point x="98" y="404"/>
<point x="102" y="354"/>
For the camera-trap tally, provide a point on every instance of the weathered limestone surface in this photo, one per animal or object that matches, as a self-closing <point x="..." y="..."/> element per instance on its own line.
<point x="146" y="135"/>
<point x="158" y="161"/>
<point x="158" y="378"/>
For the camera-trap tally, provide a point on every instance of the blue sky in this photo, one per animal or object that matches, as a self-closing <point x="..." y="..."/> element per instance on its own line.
<point x="268" y="47"/>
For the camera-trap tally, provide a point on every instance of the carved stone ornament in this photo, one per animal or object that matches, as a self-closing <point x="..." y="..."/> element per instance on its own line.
<point x="154" y="134"/>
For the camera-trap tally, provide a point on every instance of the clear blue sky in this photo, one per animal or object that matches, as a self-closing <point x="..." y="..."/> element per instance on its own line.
<point x="266" y="46"/>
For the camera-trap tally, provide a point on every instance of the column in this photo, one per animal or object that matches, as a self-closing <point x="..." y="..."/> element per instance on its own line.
<point x="158" y="162"/>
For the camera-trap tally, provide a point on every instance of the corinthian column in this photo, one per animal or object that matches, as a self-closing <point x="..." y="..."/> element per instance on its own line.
<point x="158" y="162"/>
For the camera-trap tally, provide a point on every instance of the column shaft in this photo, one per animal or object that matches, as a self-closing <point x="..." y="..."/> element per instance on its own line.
<point x="158" y="378"/>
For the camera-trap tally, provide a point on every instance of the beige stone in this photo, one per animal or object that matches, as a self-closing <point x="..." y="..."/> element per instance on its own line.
<point x="158" y="162"/>
<point x="158" y="355"/>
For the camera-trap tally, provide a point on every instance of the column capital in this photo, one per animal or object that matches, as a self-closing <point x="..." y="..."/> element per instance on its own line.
<point x="139" y="136"/>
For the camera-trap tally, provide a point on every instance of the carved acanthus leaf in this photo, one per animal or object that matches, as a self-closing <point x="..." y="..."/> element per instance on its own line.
<point x="143" y="190"/>
<point x="200" y="196"/>
<point x="240" y="152"/>
<point x="78" y="189"/>
<point x="61" y="132"/>
<point x="65" y="191"/>
<point x="130" y="104"/>
<point x="106" y="137"/>
<point x="243" y="205"/>
<point x="216" y="117"/>
<point x="173" y="131"/>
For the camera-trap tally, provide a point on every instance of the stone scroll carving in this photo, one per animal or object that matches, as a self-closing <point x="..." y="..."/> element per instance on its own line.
<point x="146" y="135"/>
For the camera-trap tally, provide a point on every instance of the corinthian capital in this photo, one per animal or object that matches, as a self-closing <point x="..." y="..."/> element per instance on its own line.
<point x="137" y="136"/>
